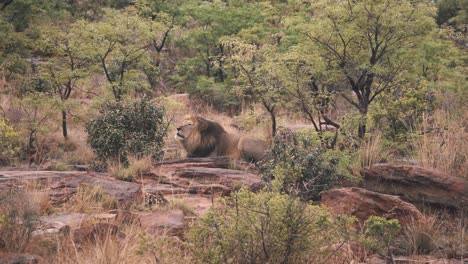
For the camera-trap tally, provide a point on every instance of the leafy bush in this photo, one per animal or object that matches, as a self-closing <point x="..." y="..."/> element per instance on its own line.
<point x="9" y="142"/>
<point x="136" y="129"/>
<point x="267" y="227"/>
<point x="380" y="233"/>
<point x="301" y="166"/>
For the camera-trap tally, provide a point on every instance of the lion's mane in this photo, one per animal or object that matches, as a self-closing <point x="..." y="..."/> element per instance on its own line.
<point x="208" y="139"/>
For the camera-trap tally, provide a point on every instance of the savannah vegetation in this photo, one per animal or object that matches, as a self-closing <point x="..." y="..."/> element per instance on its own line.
<point x="377" y="81"/>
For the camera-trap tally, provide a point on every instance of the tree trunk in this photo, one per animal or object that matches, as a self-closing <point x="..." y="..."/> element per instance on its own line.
<point x="363" y="108"/>
<point x="64" y="124"/>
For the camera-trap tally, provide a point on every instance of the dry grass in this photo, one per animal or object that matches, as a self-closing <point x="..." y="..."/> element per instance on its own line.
<point x="133" y="246"/>
<point x="436" y="236"/>
<point x="444" y="144"/>
<point x="182" y="205"/>
<point x="76" y="148"/>
<point x="90" y="199"/>
<point x="422" y="237"/>
<point x="372" y="150"/>
<point x="136" y="167"/>
<point x="19" y="210"/>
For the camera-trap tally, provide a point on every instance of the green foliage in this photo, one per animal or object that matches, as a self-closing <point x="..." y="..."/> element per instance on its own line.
<point x="380" y="232"/>
<point x="453" y="12"/>
<point x="299" y="166"/>
<point x="398" y="111"/>
<point x="215" y="94"/>
<point x="120" y="130"/>
<point x="267" y="227"/>
<point x="9" y="141"/>
<point x="367" y="46"/>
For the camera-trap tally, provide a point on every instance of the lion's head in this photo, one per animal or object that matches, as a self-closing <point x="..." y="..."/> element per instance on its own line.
<point x="198" y="135"/>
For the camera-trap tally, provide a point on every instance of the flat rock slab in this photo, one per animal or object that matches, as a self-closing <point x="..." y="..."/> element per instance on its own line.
<point x="62" y="185"/>
<point x="216" y="176"/>
<point x="416" y="184"/>
<point x="212" y="162"/>
<point x="169" y="222"/>
<point x="362" y="203"/>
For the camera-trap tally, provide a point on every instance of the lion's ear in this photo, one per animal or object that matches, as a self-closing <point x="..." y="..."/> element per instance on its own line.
<point x="202" y="123"/>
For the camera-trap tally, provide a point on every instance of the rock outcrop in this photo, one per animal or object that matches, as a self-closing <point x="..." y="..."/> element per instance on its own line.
<point x="417" y="185"/>
<point x="62" y="185"/>
<point x="362" y="203"/>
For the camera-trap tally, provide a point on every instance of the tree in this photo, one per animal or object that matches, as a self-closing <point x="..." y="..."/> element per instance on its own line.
<point x="119" y="43"/>
<point x="67" y="63"/>
<point x="367" y="46"/>
<point x="207" y="23"/>
<point x="257" y="76"/>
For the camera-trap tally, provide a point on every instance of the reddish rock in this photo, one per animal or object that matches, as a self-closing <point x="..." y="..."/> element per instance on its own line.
<point x="416" y="184"/>
<point x="203" y="176"/>
<point x="64" y="184"/>
<point x="363" y="203"/>
<point x="211" y="162"/>
<point x="226" y="177"/>
<point x="170" y="222"/>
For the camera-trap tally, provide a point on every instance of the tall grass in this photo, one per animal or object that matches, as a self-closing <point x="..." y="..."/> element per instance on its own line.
<point x="443" y="144"/>
<point x="133" y="246"/>
<point x="372" y="150"/>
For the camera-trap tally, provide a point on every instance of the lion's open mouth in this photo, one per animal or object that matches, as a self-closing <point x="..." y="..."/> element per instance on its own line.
<point x="179" y="136"/>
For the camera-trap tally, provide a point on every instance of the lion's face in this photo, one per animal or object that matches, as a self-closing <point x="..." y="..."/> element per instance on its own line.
<point x="185" y="129"/>
<point x="190" y="126"/>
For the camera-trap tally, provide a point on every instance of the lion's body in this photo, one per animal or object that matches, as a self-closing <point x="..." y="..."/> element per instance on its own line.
<point x="205" y="138"/>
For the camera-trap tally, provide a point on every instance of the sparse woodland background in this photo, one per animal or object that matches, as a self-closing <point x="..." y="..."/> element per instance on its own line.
<point x="376" y="81"/>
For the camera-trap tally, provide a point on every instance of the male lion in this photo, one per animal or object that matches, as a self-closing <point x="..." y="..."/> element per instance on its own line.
<point x="204" y="138"/>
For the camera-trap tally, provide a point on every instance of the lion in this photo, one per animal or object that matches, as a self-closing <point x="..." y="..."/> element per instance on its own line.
<point x="205" y="138"/>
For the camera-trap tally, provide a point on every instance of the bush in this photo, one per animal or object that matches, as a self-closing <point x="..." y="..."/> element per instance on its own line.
<point x="9" y="142"/>
<point x="299" y="166"/>
<point x="267" y="227"/>
<point x="136" y="129"/>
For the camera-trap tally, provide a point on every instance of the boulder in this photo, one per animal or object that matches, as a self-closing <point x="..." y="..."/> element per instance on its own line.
<point x="362" y="203"/>
<point x="169" y="222"/>
<point x="417" y="185"/>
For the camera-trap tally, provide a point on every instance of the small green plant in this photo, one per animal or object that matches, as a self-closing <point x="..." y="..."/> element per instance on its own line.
<point x="121" y="130"/>
<point x="303" y="165"/>
<point x="267" y="227"/>
<point x="381" y="232"/>
<point x="9" y="141"/>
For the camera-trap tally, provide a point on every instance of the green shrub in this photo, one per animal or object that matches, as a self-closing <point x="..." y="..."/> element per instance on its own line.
<point x="380" y="233"/>
<point x="301" y="166"/>
<point x="267" y="227"/>
<point x="120" y="130"/>
<point x="9" y="142"/>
